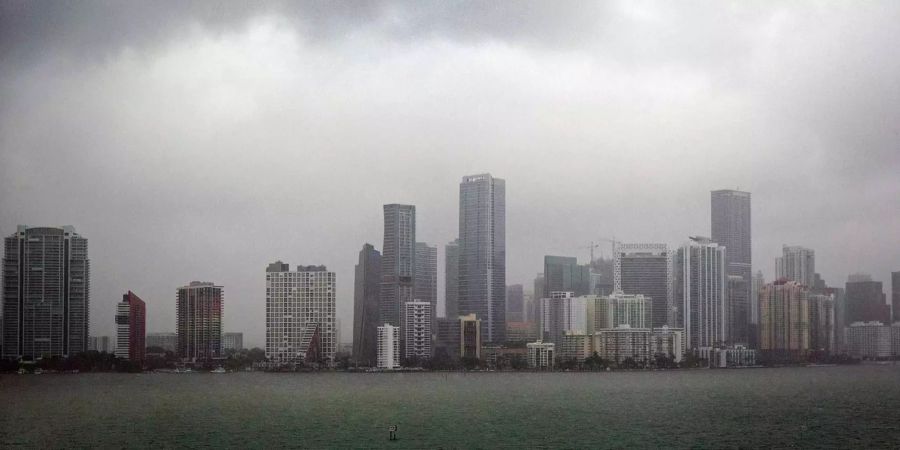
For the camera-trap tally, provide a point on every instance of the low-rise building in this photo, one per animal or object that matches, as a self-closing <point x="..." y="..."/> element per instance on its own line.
<point x="233" y="341"/>
<point x="577" y="346"/>
<point x="623" y="343"/>
<point x="541" y="355"/>
<point x="668" y="342"/>
<point x="165" y="341"/>
<point x="737" y="356"/>
<point x="869" y="340"/>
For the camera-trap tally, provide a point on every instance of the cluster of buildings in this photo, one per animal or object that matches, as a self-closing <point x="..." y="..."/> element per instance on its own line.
<point x="650" y="302"/>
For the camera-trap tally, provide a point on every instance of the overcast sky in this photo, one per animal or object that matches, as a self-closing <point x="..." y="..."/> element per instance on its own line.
<point x="202" y="142"/>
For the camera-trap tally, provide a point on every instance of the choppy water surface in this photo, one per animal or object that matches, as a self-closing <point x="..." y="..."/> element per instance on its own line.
<point x="811" y="407"/>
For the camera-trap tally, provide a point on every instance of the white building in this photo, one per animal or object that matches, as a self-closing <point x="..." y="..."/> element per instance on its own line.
<point x="541" y="354"/>
<point x="668" y="341"/>
<point x="123" y="329"/>
<point x="796" y="264"/>
<point x="104" y="344"/>
<point x="737" y="356"/>
<point x="388" y="347"/>
<point x="417" y="321"/>
<point x="300" y="314"/>
<point x="618" y="309"/>
<point x="624" y="342"/>
<point x="869" y="340"/>
<point x="700" y="286"/>
<point x="561" y="313"/>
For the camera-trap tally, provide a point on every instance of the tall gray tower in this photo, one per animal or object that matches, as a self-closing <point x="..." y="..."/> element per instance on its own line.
<point x="398" y="262"/>
<point x="46" y="293"/>
<point x="482" y="253"/>
<point x="451" y="280"/>
<point x="730" y="225"/>
<point x="366" y="316"/>
<point x="426" y="276"/>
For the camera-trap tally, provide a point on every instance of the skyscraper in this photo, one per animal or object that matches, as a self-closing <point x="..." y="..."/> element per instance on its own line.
<point x="451" y="280"/>
<point x="388" y="347"/>
<point x="737" y="311"/>
<point x="730" y="227"/>
<point x="198" y="313"/>
<point x="895" y="295"/>
<point x="398" y="262"/>
<point x="797" y="264"/>
<point x="417" y="321"/>
<point x="784" y="321"/>
<point x="131" y="328"/>
<point x="646" y="269"/>
<point x="426" y="275"/>
<point x="821" y="323"/>
<point x="482" y="253"/>
<point x="563" y="273"/>
<point x="562" y="312"/>
<point x="515" y="303"/>
<point x="865" y="300"/>
<point x="300" y="314"/>
<point x="46" y="293"/>
<point x="700" y="289"/>
<point x="367" y="287"/>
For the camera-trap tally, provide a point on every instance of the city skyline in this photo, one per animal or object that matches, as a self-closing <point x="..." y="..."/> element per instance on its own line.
<point x="717" y="107"/>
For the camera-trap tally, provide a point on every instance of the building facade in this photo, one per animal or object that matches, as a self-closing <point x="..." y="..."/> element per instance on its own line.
<point x="198" y="314"/>
<point x="388" y="347"/>
<point x="426" y="276"/>
<point x="233" y="341"/>
<point x="103" y="344"/>
<point x="646" y="269"/>
<point x="730" y="226"/>
<point x="865" y="300"/>
<point x="784" y="321"/>
<point x="166" y="341"/>
<point x="869" y="340"/>
<point x="366" y="297"/>
<point x="895" y="295"/>
<point x="541" y="355"/>
<point x="515" y="303"/>
<point x="482" y="253"/>
<point x="300" y="314"/>
<point x="451" y="279"/>
<point x="131" y="328"/>
<point x="737" y="312"/>
<point x="611" y="311"/>
<point x="470" y="337"/>
<point x="46" y="293"/>
<point x="564" y="274"/>
<point x="624" y="342"/>
<point x="417" y="320"/>
<point x="700" y="290"/>
<point x="821" y="324"/>
<point x="560" y="313"/>
<point x="796" y="264"/>
<point x="398" y="263"/>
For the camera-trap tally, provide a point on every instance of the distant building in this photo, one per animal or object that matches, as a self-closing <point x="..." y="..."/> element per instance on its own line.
<point x="482" y="253"/>
<point x="521" y="332"/>
<point x="101" y="344"/>
<point x="753" y="327"/>
<point x="895" y="295"/>
<point x="447" y="341"/>
<point x="667" y="342"/>
<point x="865" y="300"/>
<point x="869" y="340"/>
<point x="367" y="288"/>
<point x="563" y="273"/>
<point x="797" y="264"/>
<point x="515" y="303"/>
<point x="398" y="263"/>
<point x="541" y="355"/>
<point x="198" y="315"/>
<point x="131" y="328"/>
<point x="784" y="321"/>
<point x="451" y="280"/>
<point x="821" y="323"/>
<point x="700" y="290"/>
<point x="301" y="320"/>
<point x="417" y="321"/>
<point x="165" y="341"/>
<point x="738" y="356"/>
<point x="46" y="293"/>
<point x="560" y="313"/>
<point x="388" y="347"/>
<point x="426" y="276"/>
<point x="646" y="269"/>
<point x="737" y="312"/>
<point x="730" y="225"/>
<point x="616" y="309"/>
<point x="576" y="346"/>
<point x="233" y="341"/>
<point x="470" y="336"/>
<point x="624" y="342"/>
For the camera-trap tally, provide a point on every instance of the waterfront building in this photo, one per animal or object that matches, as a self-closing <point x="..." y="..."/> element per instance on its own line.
<point x="101" y="344"/>
<point x="895" y="295"/>
<point x="470" y="336"/>
<point x="166" y="341"/>
<point x="398" y="262"/>
<point x="541" y="355"/>
<point x="869" y="340"/>
<point x="502" y="357"/>
<point x="515" y="303"/>
<point x="784" y="321"/>
<point x="865" y="300"/>
<point x="646" y="269"/>
<point x="737" y="311"/>
<point x="131" y="328"/>
<point x="233" y="341"/>
<point x="576" y="346"/>
<point x="616" y="309"/>
<point x="417" y="322"/>
<point x="451" y="279"/>
<point x="560" y="313"/>
<point x="426" y="276"/>
<point x="366" y="316"/>
<point x="668" y="342"/>
<point x="738" y="356"/>
<point x="388" y="347"/>
<point x="753" y="326"/>
<point x="521" y="332"/>
<point x="447" y="342"/>
<point x="563" y="273"/>
<point x="198" y="312"/>
<point x="730" y="228"/>
<point x="46" y="293"/>
<point x="482" y="253"/>
<point x="797" y="264"/>
<point x="821" y="323"/>
<point x="624" y="342"/>
<point x="301" y="322"/>
<point x="700" y="289"/>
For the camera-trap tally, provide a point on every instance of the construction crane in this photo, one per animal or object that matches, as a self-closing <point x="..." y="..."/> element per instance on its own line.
<point x="595" y="244"/>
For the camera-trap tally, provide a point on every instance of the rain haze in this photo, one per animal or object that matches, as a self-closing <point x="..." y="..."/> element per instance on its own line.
<point x="199" y="141"/>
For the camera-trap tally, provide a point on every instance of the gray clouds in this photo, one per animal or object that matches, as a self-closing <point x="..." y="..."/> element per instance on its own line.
<point x="195" y="141"/>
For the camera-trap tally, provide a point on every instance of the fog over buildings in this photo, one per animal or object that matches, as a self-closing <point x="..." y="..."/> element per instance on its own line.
<point x="202" y="141"/>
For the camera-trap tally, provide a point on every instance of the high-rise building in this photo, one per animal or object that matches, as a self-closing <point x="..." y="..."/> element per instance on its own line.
<point x="700" y="289"/>
<point x="166" y="341"/>
<point x="426" y="275"/>
<point x="895" y="295"/>
<point x="398" y="262"/>
<point x="730" y="228"/>
<point x="46" y="293"/>
<point x="233" y="341"/>
<point x="562" y="312"/>
<point x="624" y="342"/>
<point x="198" y="312"/>
<point x="564" y="274"/>
<point x="515" y="303"/>
<point x="865" y="300"/>
<point x="101" y="344"/>
<point x="300" y="314"/>
<point x="388" y="347"/>
<point x="784" y="321"/>
<point x="417" y="323"/>
<point x="451" y="279"/>
<point x="366" y="316"/>
<point x="797" y="264"/>
<point x="758" y="282"/>
<point x="646" y="269"/>
<point x="821" y="323"/>
<point x="131" y="328"/>
<point x="482" y="253"/>
<point x="470" y="337"/>
<point x="611" y="311"/>
<point x="869" y="340"/>
<point x="447" y="338"/>
<point x="737" y="311"/>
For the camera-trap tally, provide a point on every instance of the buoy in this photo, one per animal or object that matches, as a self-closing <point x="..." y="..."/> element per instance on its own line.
<point x="393" y="431"/>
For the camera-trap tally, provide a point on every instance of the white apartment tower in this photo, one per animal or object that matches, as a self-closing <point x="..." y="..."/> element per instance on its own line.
<point x="388" y="347"/>
<point x="417" y="322"/>
<point x="300" y="314"/>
